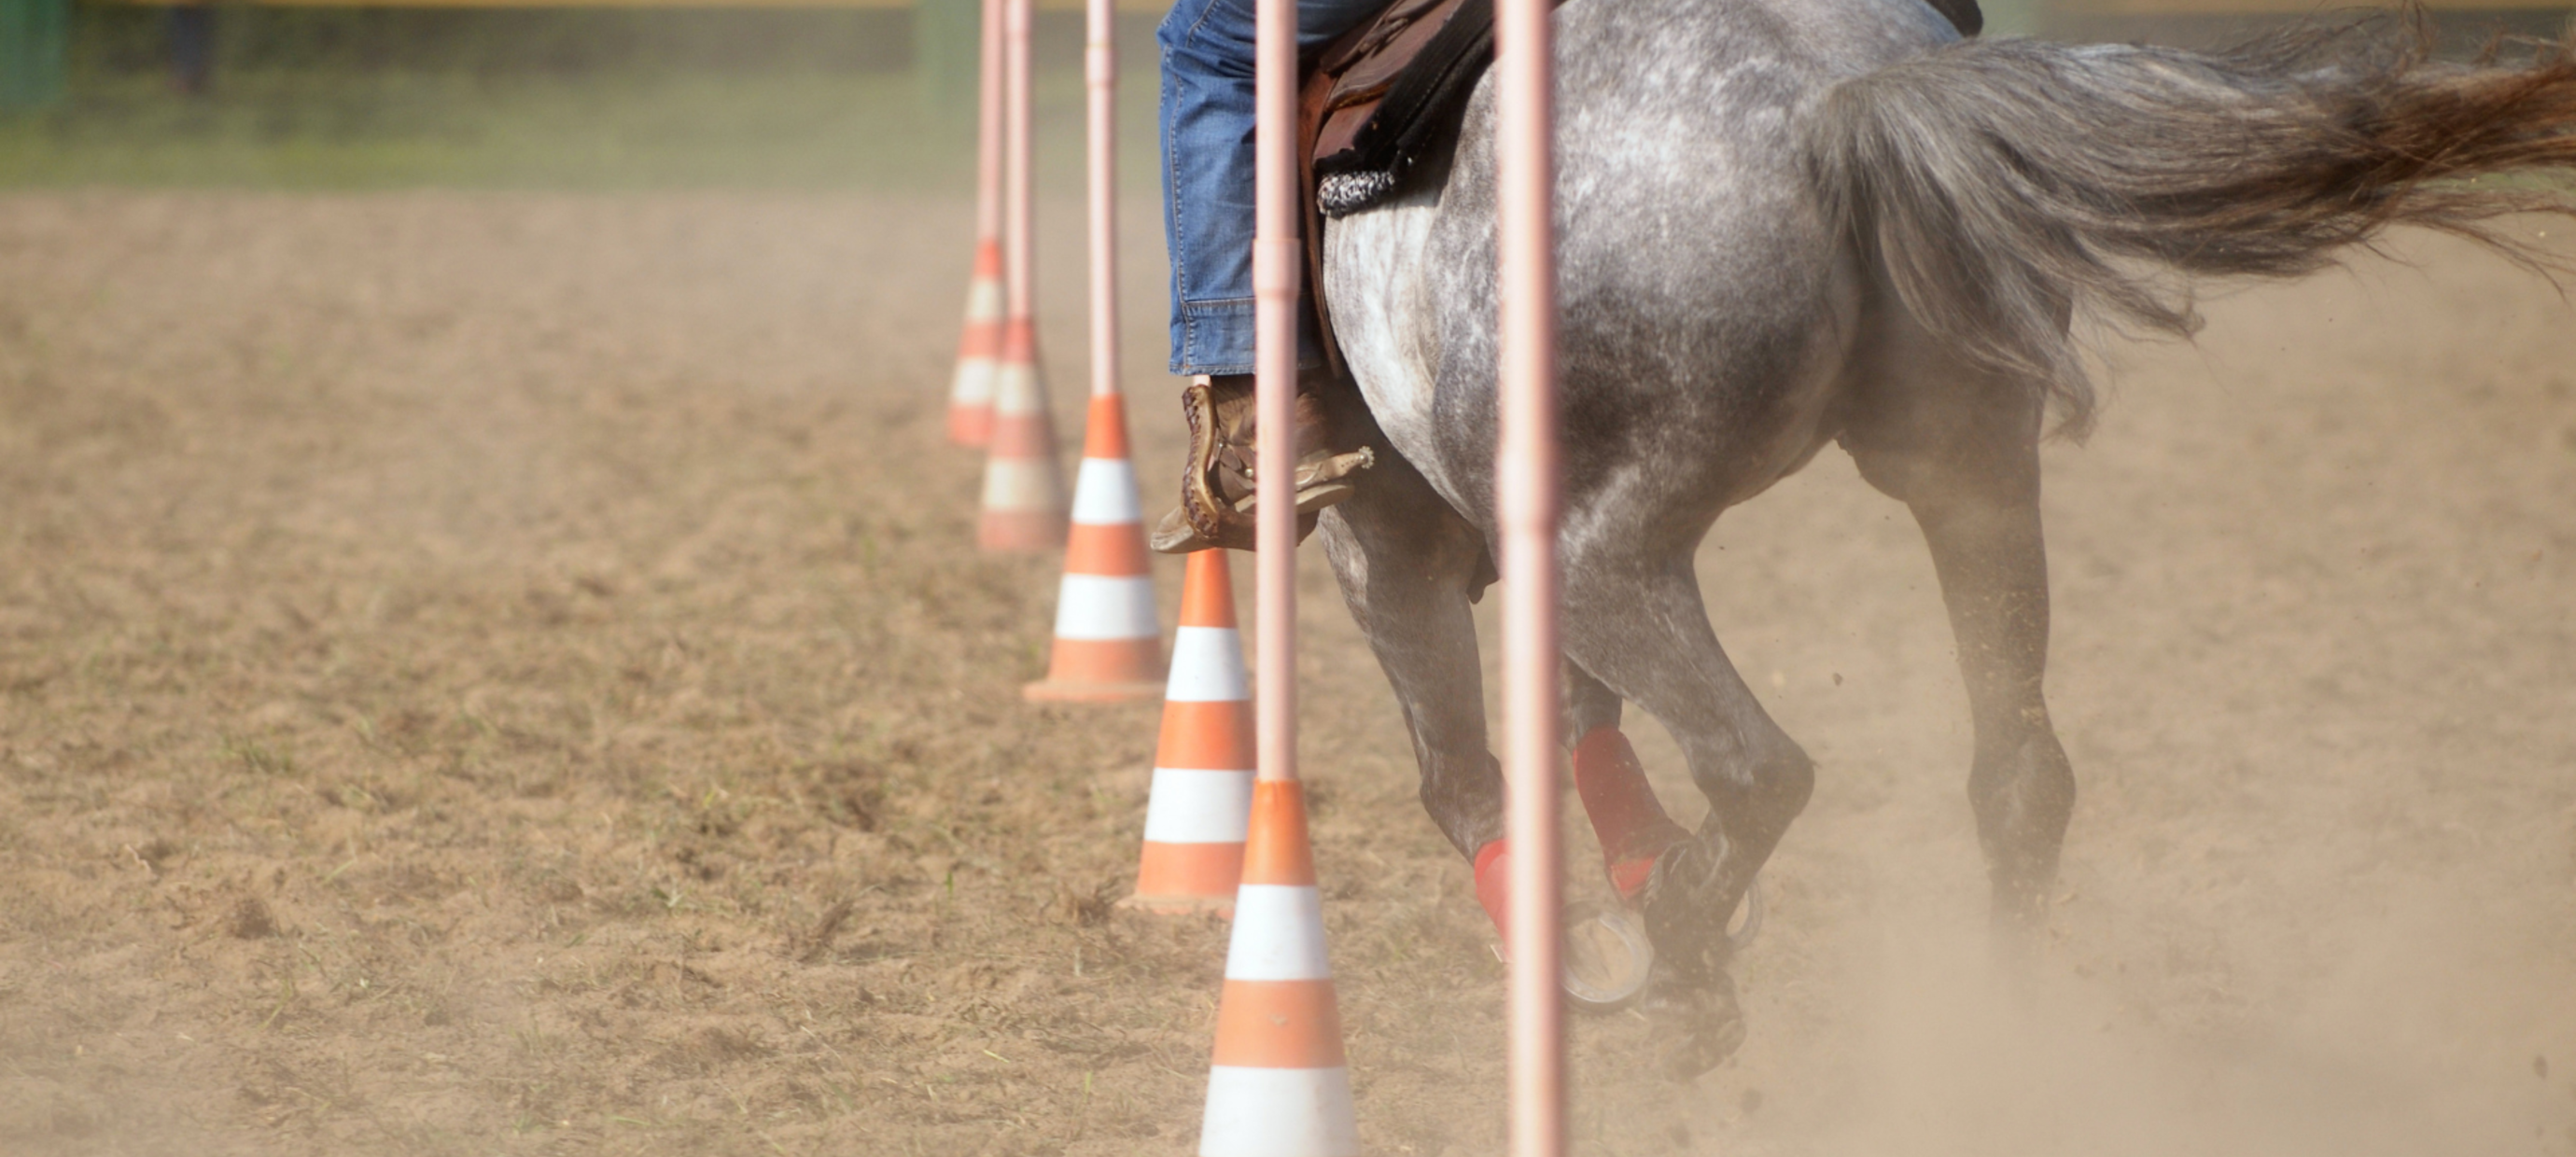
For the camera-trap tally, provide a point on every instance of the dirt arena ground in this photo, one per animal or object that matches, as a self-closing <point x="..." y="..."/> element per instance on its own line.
<point x="504" y="673"/>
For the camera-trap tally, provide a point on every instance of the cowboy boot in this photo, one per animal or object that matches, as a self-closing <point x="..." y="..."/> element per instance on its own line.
<point x="1218" y="491"/>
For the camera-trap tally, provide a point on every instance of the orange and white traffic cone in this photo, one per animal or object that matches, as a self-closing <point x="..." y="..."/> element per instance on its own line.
<point x="979" y="348"/>
<point x="1202" y="794"/>
<point x="1023" y="486"/>
<point x="970" y="392"/>
<point x="1108" y="645"/>
<point x="1279" y="1086"/>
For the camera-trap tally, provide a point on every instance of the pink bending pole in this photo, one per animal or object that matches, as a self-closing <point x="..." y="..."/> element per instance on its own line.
<point x="1526" y="501"/>
<point x="1017" y="275"/>
<point x="1100" y="78"/>
<point x="988" y="126"/>
<point x="1275" y="261"/>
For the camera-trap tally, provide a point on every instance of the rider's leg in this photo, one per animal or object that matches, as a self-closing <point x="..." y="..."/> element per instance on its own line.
<point x="1207" y="138"/>
<point x="1206" y="114"/>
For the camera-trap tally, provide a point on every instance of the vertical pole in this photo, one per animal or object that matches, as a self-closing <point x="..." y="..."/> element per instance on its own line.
<point x="1018" y="278"/>
<point x="1024" y="507"/>
<point x="1275" y="264"/>
<point x="988" y="124"/>
<point x="1100" y="77"/>
<point x="972" y="389"/>
<point x="1526" y="500"/>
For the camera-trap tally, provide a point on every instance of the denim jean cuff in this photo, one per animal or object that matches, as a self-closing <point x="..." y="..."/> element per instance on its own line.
<point x="1216" y="337"/>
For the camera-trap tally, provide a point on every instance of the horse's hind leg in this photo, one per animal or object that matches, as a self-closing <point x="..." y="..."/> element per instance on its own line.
<point x="1963" y="455"/>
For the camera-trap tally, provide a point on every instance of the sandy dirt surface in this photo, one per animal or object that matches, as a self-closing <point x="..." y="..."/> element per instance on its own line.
<point x="505" y="674"/>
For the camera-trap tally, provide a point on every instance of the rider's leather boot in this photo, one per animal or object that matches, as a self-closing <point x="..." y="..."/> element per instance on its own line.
<point x="1217" y="479"/>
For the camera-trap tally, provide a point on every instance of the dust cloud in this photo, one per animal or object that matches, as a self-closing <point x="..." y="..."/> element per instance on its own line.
<point x="2315" y="644"/>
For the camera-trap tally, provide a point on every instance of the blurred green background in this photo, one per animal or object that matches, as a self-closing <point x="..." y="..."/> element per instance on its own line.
<point x="315" y="97"/>
<point x="663" y="97"/>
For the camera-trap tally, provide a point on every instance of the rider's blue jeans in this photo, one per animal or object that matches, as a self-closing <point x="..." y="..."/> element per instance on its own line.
<point x="1207" y="172"/>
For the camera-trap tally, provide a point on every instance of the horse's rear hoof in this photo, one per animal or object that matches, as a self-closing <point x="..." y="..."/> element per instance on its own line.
<point x="1608" y="959"/>
<point x="1746" y="927"/>
<point x="1697" y="1027"/>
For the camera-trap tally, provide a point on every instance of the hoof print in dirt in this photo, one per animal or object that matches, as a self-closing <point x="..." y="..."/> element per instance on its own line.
<point x="1698" y="1025"/>
<point x="250" y="920"/>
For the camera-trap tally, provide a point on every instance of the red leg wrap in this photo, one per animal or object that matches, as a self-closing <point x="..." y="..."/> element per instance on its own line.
<point x="1626" y="817"/>
<point x="1493" y="882"/>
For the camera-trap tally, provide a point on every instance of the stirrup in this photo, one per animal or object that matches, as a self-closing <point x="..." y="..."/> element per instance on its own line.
<point x="1175" y="535"/>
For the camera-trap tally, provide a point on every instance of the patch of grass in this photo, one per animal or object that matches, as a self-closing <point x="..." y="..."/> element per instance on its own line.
<point x="256" y="757"/>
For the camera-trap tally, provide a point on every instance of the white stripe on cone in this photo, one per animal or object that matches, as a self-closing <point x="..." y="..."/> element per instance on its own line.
<point x="1194" y="806"/>
<point x="1018" y="484"/>
<point x="1278" y="1112"/>
<point x="973" y="385"/>
<point x="1207" y="666"/>
<point x="984" y="301"/>
<point x="1104" y="493"/>
<point x="1015" y="389"/>
<point x="1278" y="934"/>
<point x="1106" y="606"/>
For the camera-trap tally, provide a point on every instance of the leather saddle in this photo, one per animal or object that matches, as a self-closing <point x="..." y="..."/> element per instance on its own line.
<point x="1372" y="106"/>
<point x="1387" y="94"/>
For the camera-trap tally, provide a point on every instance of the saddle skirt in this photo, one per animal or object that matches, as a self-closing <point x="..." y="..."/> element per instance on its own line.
<point x="1374" y="104"/>
<point x="1387" y="94"/>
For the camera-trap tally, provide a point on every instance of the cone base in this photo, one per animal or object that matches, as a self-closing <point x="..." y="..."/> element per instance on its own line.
<point x="1176" y="905"/>
<point x="1020" y="532"/>
<point x="1114" y="666"/>
<point x="1205" y="871"/>
<point x="1265" y="1112"/>
<point x="1082" y="691"/>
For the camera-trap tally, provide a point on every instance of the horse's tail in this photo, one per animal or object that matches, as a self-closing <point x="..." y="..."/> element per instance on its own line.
<point x="2000" y="182"/>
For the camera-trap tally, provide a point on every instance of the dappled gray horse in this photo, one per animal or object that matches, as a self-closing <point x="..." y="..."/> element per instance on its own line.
<point x="1785" y="223"/>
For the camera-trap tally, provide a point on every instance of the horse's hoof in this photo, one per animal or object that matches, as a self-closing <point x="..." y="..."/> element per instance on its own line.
<point x="1742" y="931"/>
<point x="1697" y="1026"/>
<point x="1608" y="959"/>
